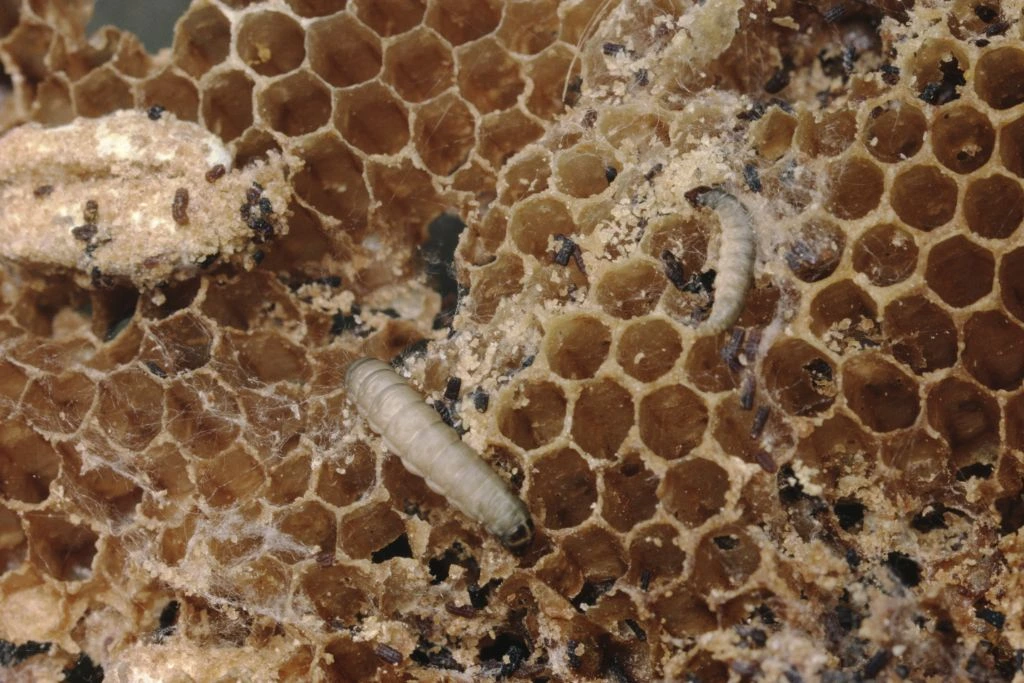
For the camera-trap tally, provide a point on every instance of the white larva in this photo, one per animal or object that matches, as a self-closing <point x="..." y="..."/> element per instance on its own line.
<point x="431" y="449"/>
<point x="735" y="259"/>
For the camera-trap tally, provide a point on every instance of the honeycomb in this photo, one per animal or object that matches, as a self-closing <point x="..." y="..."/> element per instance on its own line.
<point x="832" y="490"/>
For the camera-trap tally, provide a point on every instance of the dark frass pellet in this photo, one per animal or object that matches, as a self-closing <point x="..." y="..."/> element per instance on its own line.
<point x="215" y="173"/>
<point x="179" y="207"/>
<point x="91" y="212"/>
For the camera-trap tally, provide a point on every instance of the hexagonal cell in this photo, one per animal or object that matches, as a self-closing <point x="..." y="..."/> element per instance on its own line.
<point x="331" y="180"/>
<point x="855" y="187"/>
<point x="924" y="197"/>
<point x="178" y="344"/>
<point x="531" y="413"/>
<point x="131" y="408"/>
<point x="994" y="350"/>
<point x="583" y="170"/>
<point x="503" y="134"/>
<point x="630" y="289"/>
<point x="705" y="368"/>
<point x="684" y="236"/>
<point x="101" y="92"/>
<point x="53" y="102"/>
<point x="202" y="39"/>
<point x="938" y="67"/>
<point x="406" y="199"/>
<point x="419" y="65"/>
<point x="655" y="556"/>
<point x="288" y="479"/>
<point x="886" y="254"/>
<point x="772" y="134"/>
<point x="895" y="132"/>
<point x="316" y="8"/>
<point x="563" y="490"/>
<point x="530" y="26"/>
<point x="342" y="51"/>
<point x="548" y="72"/>
<point x="576" y="346"/>
<point x="724" y="559"/>
<point x="28" y="463"/>
<point x="815" y="249"/>
<point x="648" y="348"/>
<point x="373" y="119"/>
<point x="922" y="336"/>
<point x="967" y="418"/>
<point x="488" y="76"/>
<point x="271" y="43"/>
<point x="227" y="104"/>
<point x="232" y="477"/>
<point x="672" y="421"/>
<point x="63" y="550"/>
<point x="837" y="448"/>
<point x="882" y="395"/>
<point x="461" y="21"/>
<point x="390" y="17"/>
<point x="962" y="138"/>
<point x="628" y="492"/>
<point x="267" y="356"/>
<point x="337" y="592"/>
<point x="296" y="104"/>
<point x="348" y="478"/>
<point x="999" y="77"/>
<point x="1011" y="146"/>
<point x="494" y="282"/>
<point x="309" y="524"/>
<point x="602" y="417"/>
<point x="172" y="91"/>
<point x="799" y="377"/>
<point x="627" y="127"/>
<point x="994" y="206"/>
<point x="838" y="303"/>
<point x="960" y="271"/>
<point x="444" y="133"/>
<point x="59" y="403"/>
<point x="693" y="491"/>
<point x="829" y="136"/>
<point x="536" y="220"/>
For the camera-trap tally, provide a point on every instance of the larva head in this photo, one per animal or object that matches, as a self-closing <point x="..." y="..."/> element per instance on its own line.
<point x="520" y="537"/>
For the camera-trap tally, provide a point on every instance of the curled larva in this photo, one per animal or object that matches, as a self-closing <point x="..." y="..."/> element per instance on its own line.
<point x="735" y="257"/>
<point x="431" y="449"/>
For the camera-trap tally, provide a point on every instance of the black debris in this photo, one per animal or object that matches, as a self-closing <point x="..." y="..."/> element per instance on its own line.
<point x="42" y="191"/>
<point x="904" y="568"/>
<point x="570" y="651"/>
<point x="674" y="270"/>
<point x="779" y="80"/>
<point x="155" y="112"/>
<point x="730" y="352"/>
<point x="819" y="370"/>
<point x="610" y="173"/>
<point x="765" y="461"/>
<point x="11" y="654"/>
<point x="790" y="489"/>
<point x="654" y="171"/>
<point x="645" y="579"/>
<point x="590" y="593"/>
<point x="754" y="113"/>
<point x="752" y="178"/>
<point x="179" y="206"/>
<point x="156" y="369"/>
<point x="98" y="280"/>
<point x="890" y="74"/>
<point x="434" y="656"/>
<point x="387" y="653"/>
<point x="209" y="260"/>
<point x="481" y="399"/>
<point x="464" y="611"/>
<point x="834" y="13"/>
<point x="701" y="283"/>
<point x="932" y="517"/>
<point x="258" y="256"/>
<point x="397" y="548"/>
<point x="990" y="616"/>
<point x="613" y="48"/>
<point x="256" y="212"/>
<point x="589" y="118"/>
<point x="569" y="249"/>
<point x="986" y="13"/>
<point x="91" y="212"/>
<point x="976" y="470"/>
<point x="215" y="173"/>
<point x="747" y="389"/>
<point x="85" y="233"/>
<point x="997" y="29"/>
<point x="849" y="512"/>
<point x="642" y="77"/>
<point x="852" y="558"/>
<point x="444" y="410"/>
<point x="760" y="420"/>
<point x="83" y="671"/>
<point x="726" y="542"/>
<point x="876" y="664"/>
<point x="752" y="636"/>
<point x="508" y="651"/>
<point x="640" y="634"/>
<point x="168" y="621"/>
<point x="941" y="92"/>
<point x="452" y="388"/>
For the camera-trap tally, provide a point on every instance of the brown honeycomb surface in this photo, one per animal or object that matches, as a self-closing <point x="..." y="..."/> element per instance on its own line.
<point x="496" y="196"/>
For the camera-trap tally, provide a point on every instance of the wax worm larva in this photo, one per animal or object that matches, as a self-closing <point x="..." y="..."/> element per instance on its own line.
<point x="735" y="257"/>
<point x="431" y="449"/>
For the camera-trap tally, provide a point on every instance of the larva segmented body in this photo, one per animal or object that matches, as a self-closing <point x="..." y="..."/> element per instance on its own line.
<point x="431" y="449"/>
<point x="735" y="259"/>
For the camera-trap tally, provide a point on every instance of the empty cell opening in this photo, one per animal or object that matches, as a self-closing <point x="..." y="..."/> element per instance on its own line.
<point x="488" y="76"/>
<point x="227" y="105"/>
<point x="655" y="556"/>
<point x="373" y="119"/>
<point x="309" y="524"/>
<point x="535" y="221"/>
<point x="685" y="237"/>
<point x="629" y="495"/>
<point x="461" y="21"/>
<point x="836" y="448"/>
<point x="28" y="463"/>
<point x="342" y="52"/>
<point x="924" y="197"/>
<point x="271" y="43"/>
<point x="999" y="77"/>
<point x="773" y="134"/>
<point x="493" y="283"/>
<point x="232" y="477"/>
<point x="548" y="72"/>
<point x="335" y="593"/>
<point x="1011" y="147"/>
<point x="938" y="68"/>
<point x="625" y="127"/>
<point x="919" y="460"/>
<point x="391" y="17"/>
<point x="855" y="187"/>
<point x="962" y="138"/>
<point x="838" y="303"/>
<point x="815" y="250"/>
<point x="895" y="132"/>
<point x="921" y="335"/>
<point x="648" y="348"/>
<point x="419" y="66"/>
<point x="59" y="403"/>
<point x="672" y="421"/>
<point x="601" y="418"/>
<point x="174" y="92"/>
<point x="828" y="137"/>
<point x="994" y="350"/>
<point x="724" y="560"/>
<point x="202" y="40"/>
<point x="994" y="206"/>
<point x="131" y="408"/>
<point x="797" y="375"/>
<point x="348" y="479"/>
<point x="967" y="418"/>
<point x="529" y="26"/>
<point x="960" y="271"/>
<point x="881" y="394"/>
<point x="693" y="491"/>
<point x="582" y="171"/>
<point x="268" y="357"/>
<point x="503" y="135"/>
<point x="886" y="254"/>
<point x="575" y="347"/>
<point x="331" y="180"/>
<point x="369" y="529"/>
<point x="63" y="550"/>
<point x="532" y="413"/>
<point x="101" y="92"/>
<point x="296" y="105"/>
<point x="563" y="490"/>
<point x="630" y="289"/>
<point x="445" y="134"/>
